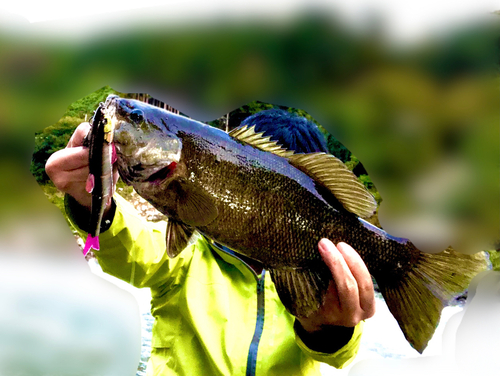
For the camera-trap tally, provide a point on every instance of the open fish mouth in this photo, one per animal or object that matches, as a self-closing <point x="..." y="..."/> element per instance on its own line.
<point x="162" y="174"/>
<point x="148" y="174"/>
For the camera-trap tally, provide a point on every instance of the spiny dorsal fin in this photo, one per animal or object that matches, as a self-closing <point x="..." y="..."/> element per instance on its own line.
<point x="341" y="181"/>
<point x="322" y="167"/>
<point x="249" y="136"/>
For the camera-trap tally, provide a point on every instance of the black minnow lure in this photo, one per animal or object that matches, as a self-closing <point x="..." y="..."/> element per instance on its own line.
<point x="244" y="191"/>
<point x="100" y="180"/>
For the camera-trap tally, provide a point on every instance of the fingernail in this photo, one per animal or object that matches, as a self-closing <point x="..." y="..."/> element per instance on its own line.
<point x="323" y="244"/>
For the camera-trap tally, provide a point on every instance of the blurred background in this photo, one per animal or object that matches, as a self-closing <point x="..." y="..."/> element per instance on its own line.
<point x="416" y="103"/>
<point x="420" y="114"/>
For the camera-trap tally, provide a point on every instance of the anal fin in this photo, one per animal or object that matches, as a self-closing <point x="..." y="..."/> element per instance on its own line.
<point x="302" y="290"/>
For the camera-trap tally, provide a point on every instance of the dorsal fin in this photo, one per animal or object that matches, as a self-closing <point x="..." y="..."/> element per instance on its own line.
<point x="249" y="136"/>
<point x="334" y="175"/>
<point x="326" y="169"/>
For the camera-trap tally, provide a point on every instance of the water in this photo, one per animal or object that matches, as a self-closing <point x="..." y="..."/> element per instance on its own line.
<point x="143" y="297"/>
<point x="146" y="327"/>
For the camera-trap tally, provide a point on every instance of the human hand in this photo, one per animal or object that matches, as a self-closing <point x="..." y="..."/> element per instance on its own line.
<point x="350" y="297"/>
<point x="69" y="168"/>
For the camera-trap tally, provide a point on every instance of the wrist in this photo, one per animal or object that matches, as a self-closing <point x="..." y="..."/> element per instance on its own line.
<point x="323" y="338"/>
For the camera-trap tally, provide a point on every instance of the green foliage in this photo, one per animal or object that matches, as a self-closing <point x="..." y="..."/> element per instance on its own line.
<point x="55" y="196"/>
<point x="86" y="106"/>
<point x="494" y="256"/>
<point x="367" y="182"/>
<point x="352" y="163"/>
<point x="56" y="136"/>
<point x="48" y="141"/>
<point x="337" y="149"/>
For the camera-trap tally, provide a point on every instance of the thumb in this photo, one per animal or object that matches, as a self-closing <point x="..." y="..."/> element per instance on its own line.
<point x="78" y="135"/>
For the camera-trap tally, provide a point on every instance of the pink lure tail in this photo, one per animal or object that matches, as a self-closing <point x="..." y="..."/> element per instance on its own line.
<point x="92" y="242"/>
<point x="89" y="185"/>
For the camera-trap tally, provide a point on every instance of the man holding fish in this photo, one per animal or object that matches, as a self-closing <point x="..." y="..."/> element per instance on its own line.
<point x="218" y="312"/>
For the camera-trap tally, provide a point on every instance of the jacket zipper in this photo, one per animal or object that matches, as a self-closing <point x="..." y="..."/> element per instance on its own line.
<point x="259" y="326"/>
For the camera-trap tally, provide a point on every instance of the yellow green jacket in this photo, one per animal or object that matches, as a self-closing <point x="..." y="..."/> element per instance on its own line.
<point x="213" y="314"/>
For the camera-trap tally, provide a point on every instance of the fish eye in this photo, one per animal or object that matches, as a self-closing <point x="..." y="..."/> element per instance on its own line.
<point x="137" y="116"/>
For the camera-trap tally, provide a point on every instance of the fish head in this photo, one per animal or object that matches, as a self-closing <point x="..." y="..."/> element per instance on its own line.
<point x="147" y="149"/>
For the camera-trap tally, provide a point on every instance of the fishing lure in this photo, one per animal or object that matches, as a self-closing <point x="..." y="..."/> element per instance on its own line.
<point x="99" y="183"/>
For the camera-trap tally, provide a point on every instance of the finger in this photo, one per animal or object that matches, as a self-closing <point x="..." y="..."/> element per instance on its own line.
<point x="362" y="276"/>
<point x="69" y="159"/>
<point x="67" y="168"/>
<point x="72" y="182"/>
<point x="345" y="282"/>
<point x="78" y="135"/>
<point x="76" y="176"/>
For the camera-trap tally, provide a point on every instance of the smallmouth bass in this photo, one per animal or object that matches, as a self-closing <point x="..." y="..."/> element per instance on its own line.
<point x="244" y="191"/>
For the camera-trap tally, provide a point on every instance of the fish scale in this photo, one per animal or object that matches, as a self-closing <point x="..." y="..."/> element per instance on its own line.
<point x="246" y="192"/>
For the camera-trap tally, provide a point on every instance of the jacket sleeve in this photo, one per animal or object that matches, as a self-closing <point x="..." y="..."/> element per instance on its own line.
<point x="133" y="249"/>
<point x="340" y="358"/>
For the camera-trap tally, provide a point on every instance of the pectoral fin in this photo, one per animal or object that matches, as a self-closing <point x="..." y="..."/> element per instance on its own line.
<point x="177" y="237"/>
<point x="195" y="207"/>
<point x="90" y="184"/>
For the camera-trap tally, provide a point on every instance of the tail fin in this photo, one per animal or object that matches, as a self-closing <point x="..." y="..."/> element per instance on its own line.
<point x="417" y="301"/>
<point x="92" y="242"/>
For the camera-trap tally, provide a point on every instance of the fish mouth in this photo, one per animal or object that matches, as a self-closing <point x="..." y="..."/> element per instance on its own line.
<point x="145" y="153"/>
<point x="162" y="174"/>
